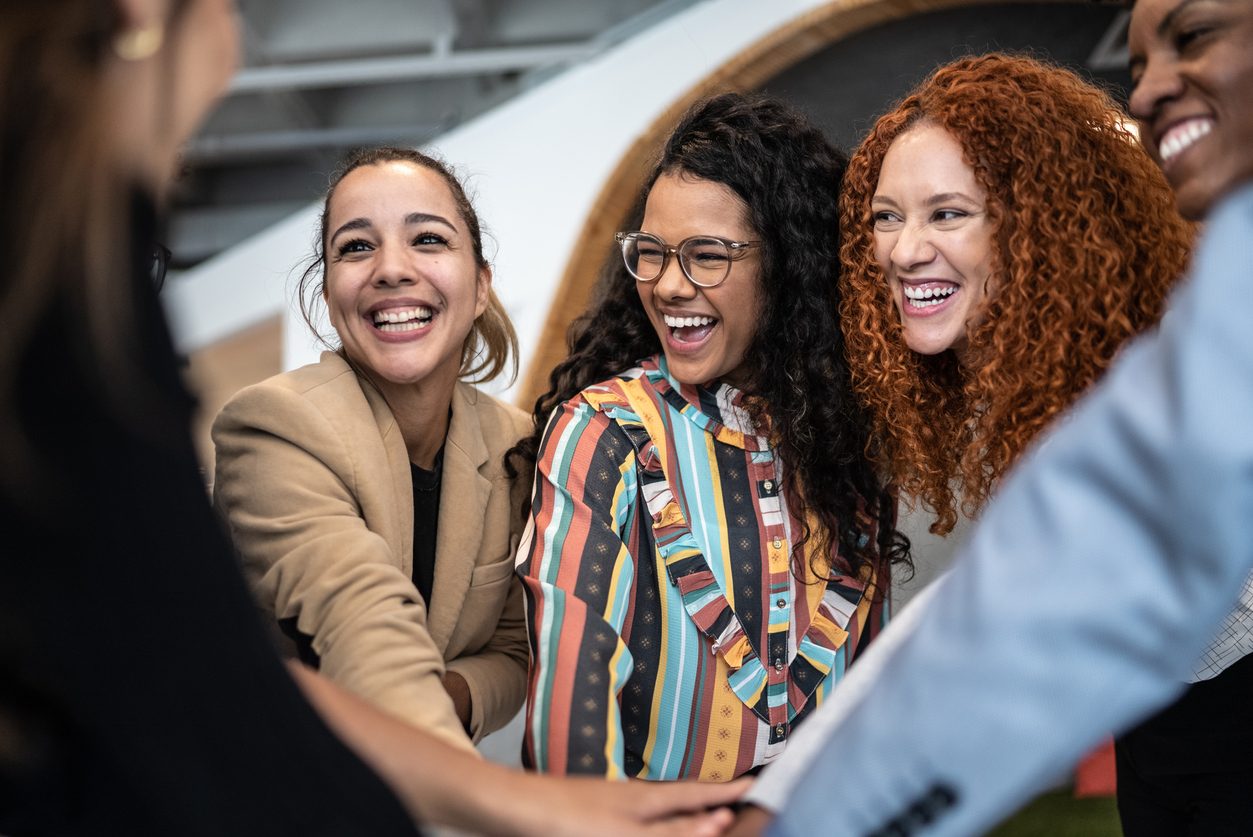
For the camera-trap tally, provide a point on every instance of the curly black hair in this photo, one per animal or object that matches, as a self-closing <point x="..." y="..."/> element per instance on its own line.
<point x="788" y="177"/>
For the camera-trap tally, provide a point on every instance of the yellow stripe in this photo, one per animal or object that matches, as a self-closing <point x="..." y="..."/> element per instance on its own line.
<point x="722" y="746"/>
<point x="614" y="717"/>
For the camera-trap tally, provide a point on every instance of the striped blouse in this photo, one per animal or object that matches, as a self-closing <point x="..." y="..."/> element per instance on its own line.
<point x="670" y="636"/>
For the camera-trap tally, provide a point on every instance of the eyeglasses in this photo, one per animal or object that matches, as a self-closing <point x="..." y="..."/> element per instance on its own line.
<point x="160" y="261"/>
<point x="705" y="259"/>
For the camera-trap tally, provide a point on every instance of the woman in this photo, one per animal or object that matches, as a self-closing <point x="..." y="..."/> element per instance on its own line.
<point x="1004" y="236"/>
<point x="138" y="692"/>
<point x="994" y="268"/>
<point x="331" y="476"/>
<point x="708" y="548"/>
<point x="1188" y="769"/>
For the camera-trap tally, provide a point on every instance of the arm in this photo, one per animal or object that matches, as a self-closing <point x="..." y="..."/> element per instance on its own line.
<point x="494" y="679"/>
<point x="578" y="574"/>
<point x="445" y="786"/>
<point x="287" y="483"/>
<point x="1090" y="584"/>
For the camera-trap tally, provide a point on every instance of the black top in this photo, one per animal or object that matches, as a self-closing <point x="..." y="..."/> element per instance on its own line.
<point x="425" y="523"/>
<point x="146" y="695"/>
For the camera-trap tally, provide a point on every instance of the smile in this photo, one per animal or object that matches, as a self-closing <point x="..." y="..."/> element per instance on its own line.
<point x="929" y="296"/>
<point x="1182" y="137"/>
<point x="687" y="330"/>
<point x="397" y="320"/>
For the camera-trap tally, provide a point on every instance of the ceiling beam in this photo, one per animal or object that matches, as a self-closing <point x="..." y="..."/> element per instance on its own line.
<point x="362" y="71"/>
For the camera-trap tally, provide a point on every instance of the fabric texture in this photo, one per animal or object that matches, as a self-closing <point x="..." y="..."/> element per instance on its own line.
<point x="139" y="693"/>
<point x="1092" y="581"/>
<point x="313" y="478"/>
<point x="670" y="635"/>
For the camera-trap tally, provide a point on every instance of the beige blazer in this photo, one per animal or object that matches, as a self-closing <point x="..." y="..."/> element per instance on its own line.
<point x="313" y="479"/>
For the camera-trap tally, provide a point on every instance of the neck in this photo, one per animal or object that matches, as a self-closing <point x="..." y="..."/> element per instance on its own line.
<point x="422" y="411"/>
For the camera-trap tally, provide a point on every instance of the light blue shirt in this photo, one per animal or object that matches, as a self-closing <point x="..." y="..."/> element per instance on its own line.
<point x="1092" y="582"/>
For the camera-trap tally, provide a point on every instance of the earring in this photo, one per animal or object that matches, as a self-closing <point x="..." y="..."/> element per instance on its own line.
<point x="139" y="43"/>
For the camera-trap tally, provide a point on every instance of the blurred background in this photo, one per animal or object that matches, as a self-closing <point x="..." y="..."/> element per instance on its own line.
<point x="550" y="110"/>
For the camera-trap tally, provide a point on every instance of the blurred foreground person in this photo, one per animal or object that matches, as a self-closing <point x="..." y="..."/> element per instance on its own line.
<point x="138" y="693"/>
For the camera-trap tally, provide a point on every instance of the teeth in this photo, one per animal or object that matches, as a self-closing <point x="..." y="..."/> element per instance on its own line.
<point x="1182" y="136"/>
<point x="399" y="316"/>
<point x="936" y="294"/>
<point x="412" y="325"/>
<point x="687" y="322"/>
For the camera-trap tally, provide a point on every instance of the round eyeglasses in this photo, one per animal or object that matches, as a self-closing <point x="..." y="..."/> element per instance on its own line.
<point x="705" y="259"/>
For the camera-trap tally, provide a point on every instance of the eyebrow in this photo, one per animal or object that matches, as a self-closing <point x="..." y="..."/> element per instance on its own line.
<point x="412" y="218"/>
<point x="934" y="200"/>
<point x="1169" y="20"/>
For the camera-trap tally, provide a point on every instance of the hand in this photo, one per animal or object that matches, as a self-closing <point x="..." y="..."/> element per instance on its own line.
<point x="751" y="822"/>
<point x="459" y="690"/>
<point x="548" y="805"/>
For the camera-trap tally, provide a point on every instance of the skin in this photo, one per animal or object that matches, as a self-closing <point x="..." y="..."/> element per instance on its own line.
<point x="1192" y="72"/>
<point x="932" y="234"/>
<point x="397" y="245"/>
<point x="158" y="102"/>
<point x="680" y="206"/>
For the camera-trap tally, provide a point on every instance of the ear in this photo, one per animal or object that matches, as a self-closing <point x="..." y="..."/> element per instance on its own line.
<point x="483" y="291"/>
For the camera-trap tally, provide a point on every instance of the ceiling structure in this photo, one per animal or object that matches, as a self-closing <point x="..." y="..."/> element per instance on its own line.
<point x="320" y="77"/>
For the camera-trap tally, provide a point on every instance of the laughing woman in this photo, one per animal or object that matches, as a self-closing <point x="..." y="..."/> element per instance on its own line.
<point x="335" y="478"/>
<point x="1005" y="235"/>
<point x="708" y="548"/>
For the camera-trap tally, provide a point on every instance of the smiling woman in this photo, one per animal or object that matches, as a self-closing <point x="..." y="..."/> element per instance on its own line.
<point x="709" y="547"/>
<point x="1004" y="236"/>
<point x="332" y="477"/>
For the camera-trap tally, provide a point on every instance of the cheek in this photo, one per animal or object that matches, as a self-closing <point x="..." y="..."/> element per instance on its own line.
<point x="883" y="251"/>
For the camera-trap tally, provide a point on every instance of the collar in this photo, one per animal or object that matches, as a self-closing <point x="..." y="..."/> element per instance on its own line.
<point x="716" y="407"/>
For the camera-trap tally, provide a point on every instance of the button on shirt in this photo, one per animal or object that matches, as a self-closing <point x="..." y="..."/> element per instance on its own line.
<point x="671" y="637"/>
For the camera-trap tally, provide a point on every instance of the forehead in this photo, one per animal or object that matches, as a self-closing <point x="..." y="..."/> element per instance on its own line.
<point x="681" y="205"/>
<point x="927" y="158"/>
<point x="393" y="187"/>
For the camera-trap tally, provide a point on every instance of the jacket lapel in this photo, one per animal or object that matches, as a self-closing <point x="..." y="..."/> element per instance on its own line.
<point x="463" y="497"/>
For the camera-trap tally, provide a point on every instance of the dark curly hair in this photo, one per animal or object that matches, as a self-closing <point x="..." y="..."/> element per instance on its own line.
<point x="788" y="177"/>
<point x="1089" y="244"/>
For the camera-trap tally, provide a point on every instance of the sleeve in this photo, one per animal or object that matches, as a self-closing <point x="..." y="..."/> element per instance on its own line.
<point x="285" y="482"/>
<point x="578" y="573"/>
<point x="1089" y="586"/>
<point x="496" y="676"/>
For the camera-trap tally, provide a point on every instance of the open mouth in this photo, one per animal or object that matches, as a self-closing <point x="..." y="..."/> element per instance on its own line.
<point x="929" y="295"/>
<point x="689" y="329"/>
<point x="400" y="320"/>
<point x="1183" y="136"/>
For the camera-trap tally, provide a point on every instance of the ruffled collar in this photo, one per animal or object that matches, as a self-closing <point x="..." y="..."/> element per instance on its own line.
<point x="717" y="408"/>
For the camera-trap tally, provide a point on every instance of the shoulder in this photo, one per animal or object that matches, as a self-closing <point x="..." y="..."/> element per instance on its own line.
<point x="324" y="392"/>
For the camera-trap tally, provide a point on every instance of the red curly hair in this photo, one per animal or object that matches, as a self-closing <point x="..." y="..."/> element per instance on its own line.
<point x="1089" y="244"/>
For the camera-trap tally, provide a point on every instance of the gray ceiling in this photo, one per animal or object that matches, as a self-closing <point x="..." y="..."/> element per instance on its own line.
<point x="323" y="76"/>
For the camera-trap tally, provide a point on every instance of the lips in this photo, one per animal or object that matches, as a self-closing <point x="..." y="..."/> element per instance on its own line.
<point x="400" y="317"/>
<point x="689" y="330"/>
<point x="925" y="298"/>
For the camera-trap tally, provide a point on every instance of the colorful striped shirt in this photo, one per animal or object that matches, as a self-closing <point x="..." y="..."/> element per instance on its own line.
<point x="670" y="635"/>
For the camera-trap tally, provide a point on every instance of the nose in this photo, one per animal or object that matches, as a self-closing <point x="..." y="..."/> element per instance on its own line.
<point x="912" y="247"/>
<point x="673" y="283"/>
<point x="392" y="267"/>
<point x="1159" y="82"/>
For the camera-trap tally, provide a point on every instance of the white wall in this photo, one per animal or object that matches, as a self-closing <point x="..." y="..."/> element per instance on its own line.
<point x="534" y="166"/>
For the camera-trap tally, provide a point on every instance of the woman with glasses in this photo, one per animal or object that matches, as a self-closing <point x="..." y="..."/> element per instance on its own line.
<point x="366" y="493"/>
<point x="708" y="547"/>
